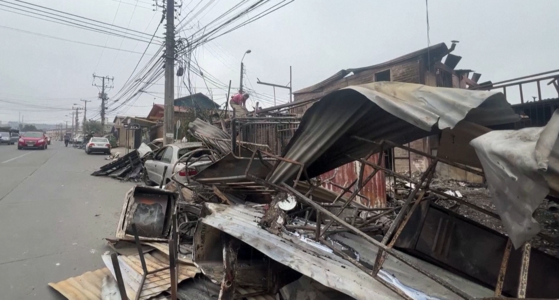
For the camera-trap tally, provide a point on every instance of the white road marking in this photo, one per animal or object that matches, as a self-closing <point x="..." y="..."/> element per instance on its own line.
<point x="9" y="160"/>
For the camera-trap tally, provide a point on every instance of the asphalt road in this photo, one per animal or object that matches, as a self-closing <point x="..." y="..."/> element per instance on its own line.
<point x="53" y="218"/>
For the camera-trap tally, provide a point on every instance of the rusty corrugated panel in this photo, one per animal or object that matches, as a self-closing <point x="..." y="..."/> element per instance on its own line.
<point x="374" y="190"/>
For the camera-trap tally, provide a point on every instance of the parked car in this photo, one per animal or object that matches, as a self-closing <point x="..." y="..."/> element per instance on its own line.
<point x="76" y="139"/>
<point x="5" y="138"/>
<point x="14" y="137"/>
<point x="168" y="155"/>
<point x="32" y="139"/>
<point x="98" y="144"/>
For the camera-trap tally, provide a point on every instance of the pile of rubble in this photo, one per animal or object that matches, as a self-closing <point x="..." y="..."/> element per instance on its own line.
<point x="255" y="225"/>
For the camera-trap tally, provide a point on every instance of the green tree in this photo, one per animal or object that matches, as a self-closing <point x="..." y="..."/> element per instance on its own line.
<point x="29" y="127"/>
<point x="92" y="127"/>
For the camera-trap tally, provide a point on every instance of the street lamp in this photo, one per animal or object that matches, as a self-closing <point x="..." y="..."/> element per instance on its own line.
<point x="242" y="67"/>
<point x="246" y="52"/>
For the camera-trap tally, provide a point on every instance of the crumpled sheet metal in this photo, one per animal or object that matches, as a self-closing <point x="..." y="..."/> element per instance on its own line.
<point x="212" y="136"/>
<point x="395" y="111"/>
<point x="521" y="168"/>
<point x="241" y="222"/>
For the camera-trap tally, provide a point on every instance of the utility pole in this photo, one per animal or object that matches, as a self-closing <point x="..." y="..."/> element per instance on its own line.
<point x="169" y="72"/>
<point x="241" y="81"/>
<point x="73" y="128"/>
<point x="77" y="122"/>
<point x="103" y="97"/>
<point x="84" y="109"/>
<point x="242" y="71"/>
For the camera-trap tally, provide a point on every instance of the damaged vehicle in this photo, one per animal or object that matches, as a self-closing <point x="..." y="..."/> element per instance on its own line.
<point x="172" y="159"/>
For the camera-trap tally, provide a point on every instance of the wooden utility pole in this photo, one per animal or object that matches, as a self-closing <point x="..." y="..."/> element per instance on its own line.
<point x="84" y="109"/>
<point x="103" y="97"/>
<point x="241" y="80"/>
<point x="169" y="73"/>
<point x="73" y="130"/>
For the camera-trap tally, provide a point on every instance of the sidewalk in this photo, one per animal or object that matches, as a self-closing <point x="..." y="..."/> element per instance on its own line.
<point x="122" y="150"/>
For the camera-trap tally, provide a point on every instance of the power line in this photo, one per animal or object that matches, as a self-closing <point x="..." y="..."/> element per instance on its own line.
<point x="130" y="21"/>
<point x="65" y="40"/>
<point x="255" y="18"/>
<point x="74" y="15"/>
<point x="138" y="63"/>
<point x="50" y="18"/>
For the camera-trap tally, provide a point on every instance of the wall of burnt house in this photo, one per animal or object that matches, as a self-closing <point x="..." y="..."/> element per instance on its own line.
<point x="416" y="70"/>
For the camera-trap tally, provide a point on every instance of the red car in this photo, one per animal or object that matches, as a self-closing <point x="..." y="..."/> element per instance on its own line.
<point x="32" y="139"/>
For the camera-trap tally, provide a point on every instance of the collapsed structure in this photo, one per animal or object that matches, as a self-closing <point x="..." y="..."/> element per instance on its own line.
<point x="263" y="220"/>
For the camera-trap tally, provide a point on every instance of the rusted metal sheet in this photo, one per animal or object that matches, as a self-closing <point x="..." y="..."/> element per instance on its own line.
<point x="374" y="190"/>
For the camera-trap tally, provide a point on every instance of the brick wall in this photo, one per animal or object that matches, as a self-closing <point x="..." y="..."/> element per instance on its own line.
<point x="406" y="72"/>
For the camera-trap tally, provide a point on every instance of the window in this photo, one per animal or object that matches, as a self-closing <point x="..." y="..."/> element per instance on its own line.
<point x="159" y="154"/>
<point x="382" y="76"/>
<point x="168" y="155"/>
<point x="33" y="134"/>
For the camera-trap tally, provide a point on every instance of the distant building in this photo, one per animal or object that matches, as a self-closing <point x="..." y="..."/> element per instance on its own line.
<point x="197" y="100"/>
<point x="186" y="109"/>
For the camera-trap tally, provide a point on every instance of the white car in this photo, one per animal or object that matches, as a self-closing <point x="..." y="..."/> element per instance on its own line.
<point x="98" y="144"/>
<point x="77" y="139"/>
<point x="168" y="155"/>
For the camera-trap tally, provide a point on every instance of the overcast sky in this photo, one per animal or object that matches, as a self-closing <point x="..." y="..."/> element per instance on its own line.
<point x="42" y="77"/>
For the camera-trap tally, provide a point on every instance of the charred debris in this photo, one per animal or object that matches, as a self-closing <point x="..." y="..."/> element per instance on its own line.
<point x="259" y="222"/>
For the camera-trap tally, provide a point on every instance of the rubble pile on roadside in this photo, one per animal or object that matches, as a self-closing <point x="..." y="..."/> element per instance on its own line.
<point x="255" y="225"/>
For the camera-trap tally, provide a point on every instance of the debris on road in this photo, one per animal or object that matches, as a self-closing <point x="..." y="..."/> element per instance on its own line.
<point x="127" y="167"/>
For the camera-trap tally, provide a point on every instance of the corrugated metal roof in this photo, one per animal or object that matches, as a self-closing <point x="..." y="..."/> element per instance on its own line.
<point x="395" y="111"/>
<point x="330" y="270"/>
<point x="156" y="283"/>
